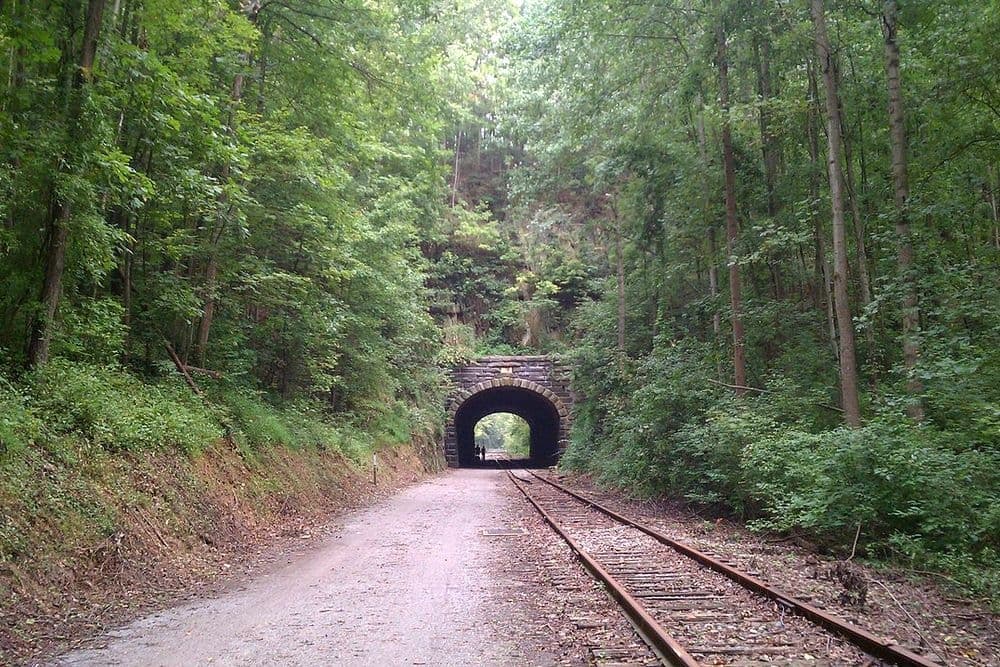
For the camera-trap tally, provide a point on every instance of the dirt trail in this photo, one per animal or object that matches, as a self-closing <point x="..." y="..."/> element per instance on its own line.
<point x="404" y="582"/>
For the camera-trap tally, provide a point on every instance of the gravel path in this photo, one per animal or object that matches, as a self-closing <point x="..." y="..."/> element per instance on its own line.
<point x="417" y="579"/>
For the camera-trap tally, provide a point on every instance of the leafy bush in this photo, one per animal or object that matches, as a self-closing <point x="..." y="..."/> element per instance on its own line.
<point x="893" y="479"/>
<point x="459" y="344"/>
<point x="92" y="331"/>
<point x="114" y="409"/>
<point x="19" y="428"/>
<point x="256" y="423"/>
<point x="927" y="495"/>
<point x="110" y="408"/>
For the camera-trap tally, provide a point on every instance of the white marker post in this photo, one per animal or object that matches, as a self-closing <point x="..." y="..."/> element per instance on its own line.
<point x="374" y="468"/>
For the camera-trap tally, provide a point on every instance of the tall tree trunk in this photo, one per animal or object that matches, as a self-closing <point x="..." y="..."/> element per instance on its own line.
<point x="215" y="237"/>
<point x="15" y="81"/>
<point x="620" y="280"/>
<point x="454" y="177"/>
<point x="861" y="247"/>
<point x="251" y="8"/>
<point x="713" y="280"/>
<point x="713" y="286"/>
<point x="126" y="276"/>
<point x="212" y="265"/>
<point x="823" y="273"/>
<point x="826" y="275"/>
<point x="994" y="183"/>
<point x="15" y="59"/>
<point x="57" y="229"/>
<point x="845" y="324"/>
<point x="732" y="227"/>
<point x="768" y="149"/>
<point x="262" y="63"/>
<point x="901" y="194"/>
<point x="769" y="154"/>
<point x="864" y="277"/>
<point x="713" y="250"/>
<point x="860" y="207"/>
<point x="57" y="235"/>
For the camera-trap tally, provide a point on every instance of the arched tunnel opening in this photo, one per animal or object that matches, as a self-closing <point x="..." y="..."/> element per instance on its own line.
<point x="503" y="435"/>
<point x="539" y="412"/>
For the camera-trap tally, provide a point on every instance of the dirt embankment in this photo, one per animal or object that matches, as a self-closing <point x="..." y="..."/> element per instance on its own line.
<point x="99" y="542"/>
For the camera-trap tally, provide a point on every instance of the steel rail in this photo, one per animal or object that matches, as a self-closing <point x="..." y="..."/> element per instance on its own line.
<point x="648" y="628"/>
<point x="884" y="649"/>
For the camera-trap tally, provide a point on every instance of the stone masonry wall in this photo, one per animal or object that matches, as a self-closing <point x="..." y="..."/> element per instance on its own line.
<point x="542" y="374"/>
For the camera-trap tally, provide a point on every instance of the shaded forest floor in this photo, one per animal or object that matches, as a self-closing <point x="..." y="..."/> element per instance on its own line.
<point x="160" y="527"/>
<point x="912" y="608"/>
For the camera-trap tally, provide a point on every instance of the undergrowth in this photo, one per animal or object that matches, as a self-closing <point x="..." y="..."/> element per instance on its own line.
<point x="925" y="496"/>
<point x="65" y="427"/>
<point x="113" y="409"/>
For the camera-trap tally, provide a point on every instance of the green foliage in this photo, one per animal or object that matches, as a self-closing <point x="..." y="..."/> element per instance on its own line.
<point x="267" y="194"/>
<point x="92" y="331"/>
<point x="921" y="494"/>
<point x="256" y="424"/>
<point x="115" y="410"/>
<point x="504" y="431"/>
<point x="273" y="210"/>
<point x="52" y="501"/>
<point x="897" y="481"/>
<point x="622" y="134"/>
<point x="65" y="406"/>
<point x="459" y="344"/>
<point x="19" y="428"/>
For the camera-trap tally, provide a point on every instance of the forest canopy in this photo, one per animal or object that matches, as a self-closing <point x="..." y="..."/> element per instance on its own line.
<point x="789" y="215"/>
<point x="766" y="235"/>
<point x="245" y="184"/>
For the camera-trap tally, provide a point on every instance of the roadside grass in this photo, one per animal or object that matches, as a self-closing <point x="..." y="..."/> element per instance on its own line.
<point x="70" y="432"/>
<point x="112" y="486"/>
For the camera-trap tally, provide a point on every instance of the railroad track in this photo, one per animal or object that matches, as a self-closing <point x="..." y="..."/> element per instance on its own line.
<point x="692" y="608"/>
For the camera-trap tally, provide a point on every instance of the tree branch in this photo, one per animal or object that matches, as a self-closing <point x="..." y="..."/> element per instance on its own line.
<point x="768" y="391"/>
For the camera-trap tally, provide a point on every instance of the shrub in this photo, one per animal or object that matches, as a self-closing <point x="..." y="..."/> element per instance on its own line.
<point x="256" y="423"/>
<point x="901" y="483"/>
<point x="114" y="409"/>
<point x="91" y="331"/>
<point x="928" y="495"/>
<point x="19" y="428"/>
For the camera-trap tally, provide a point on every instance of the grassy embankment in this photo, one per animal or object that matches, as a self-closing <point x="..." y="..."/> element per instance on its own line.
<point x="114" y="491"/>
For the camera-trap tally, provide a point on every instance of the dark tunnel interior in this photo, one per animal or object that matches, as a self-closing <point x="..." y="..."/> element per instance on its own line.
<point x="541" y="415"/>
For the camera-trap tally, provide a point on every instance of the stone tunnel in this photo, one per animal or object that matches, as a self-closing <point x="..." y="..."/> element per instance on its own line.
<point x="535" y="388"/>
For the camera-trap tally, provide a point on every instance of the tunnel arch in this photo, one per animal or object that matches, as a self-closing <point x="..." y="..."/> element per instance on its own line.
<point x="542" y="408"/>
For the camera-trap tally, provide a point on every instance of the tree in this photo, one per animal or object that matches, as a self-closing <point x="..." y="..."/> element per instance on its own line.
<point x="612" y="92"/>
<point x="901" y="195"/>
<point x="845" y="322"/>
<point x="248" y="183"/>
<point x="732" y="225"/>
<point x="61" y="209"/>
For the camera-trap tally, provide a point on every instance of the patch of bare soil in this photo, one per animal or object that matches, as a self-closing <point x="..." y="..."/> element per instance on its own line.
<point x="183" y="528"/>
<point x="559" y="613"/>
<point x="916" y="611"/>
